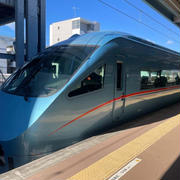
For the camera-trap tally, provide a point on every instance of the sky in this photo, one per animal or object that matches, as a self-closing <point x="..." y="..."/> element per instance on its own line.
<point x="111" y="20"/>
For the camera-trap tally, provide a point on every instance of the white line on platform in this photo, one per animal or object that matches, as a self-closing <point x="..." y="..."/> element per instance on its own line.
<point x="125" y="169"/>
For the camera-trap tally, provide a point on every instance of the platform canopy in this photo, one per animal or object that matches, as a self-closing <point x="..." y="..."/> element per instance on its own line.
<point x="169" y="8"/>
<point x="7" y="11"/>
<point x="34" y="28"/>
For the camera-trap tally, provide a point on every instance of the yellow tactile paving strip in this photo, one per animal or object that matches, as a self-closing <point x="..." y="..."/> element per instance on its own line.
<point x="110" y="164"/>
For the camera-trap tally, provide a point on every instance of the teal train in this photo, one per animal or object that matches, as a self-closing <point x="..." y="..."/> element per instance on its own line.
<point x="81" y="86"/>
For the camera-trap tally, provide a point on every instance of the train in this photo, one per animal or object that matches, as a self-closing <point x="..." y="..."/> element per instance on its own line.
<point x="80" y="86"/>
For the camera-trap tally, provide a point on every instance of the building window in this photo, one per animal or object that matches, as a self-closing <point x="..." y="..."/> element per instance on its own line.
<point x="58" y="27"/>
<point x="92" y="82"/>
<point x="76" y="24"/>
<point x="90" y="27"/>
<point x="58" y="39"/>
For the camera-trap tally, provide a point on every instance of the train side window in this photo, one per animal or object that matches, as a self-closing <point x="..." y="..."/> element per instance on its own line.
<point x="119" y="75"/>
<point x="148" y="79"/>
<point x="172" y="76"/>
<point x="177" y="78"/>
<point x="161" y="78"/>
<point x="92" y="82"/>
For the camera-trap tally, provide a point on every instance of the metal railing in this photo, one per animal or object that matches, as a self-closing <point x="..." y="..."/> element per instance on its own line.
<point x="3" y="76"/>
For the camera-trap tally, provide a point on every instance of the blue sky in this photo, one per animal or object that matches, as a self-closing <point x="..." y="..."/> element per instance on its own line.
<point x="109" y="19"/>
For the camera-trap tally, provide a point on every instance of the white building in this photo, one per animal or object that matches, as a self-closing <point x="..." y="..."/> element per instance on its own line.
<point x="6" y="44"/>
<point x="63" y="30"/>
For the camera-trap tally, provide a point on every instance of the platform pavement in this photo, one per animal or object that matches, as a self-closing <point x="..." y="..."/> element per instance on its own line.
<point x="68" y="162"/>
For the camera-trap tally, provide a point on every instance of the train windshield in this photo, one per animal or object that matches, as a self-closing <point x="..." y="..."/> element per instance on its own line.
<point x="47" y="73"/>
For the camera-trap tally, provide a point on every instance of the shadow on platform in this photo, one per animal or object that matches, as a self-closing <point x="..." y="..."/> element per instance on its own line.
<point x="173" y="173"/>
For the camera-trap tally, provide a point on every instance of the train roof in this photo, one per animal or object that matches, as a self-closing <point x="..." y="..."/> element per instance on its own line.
<point x="101" y="38"/>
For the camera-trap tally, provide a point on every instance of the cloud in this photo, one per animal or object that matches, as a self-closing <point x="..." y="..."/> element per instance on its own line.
<point x="11" y="26"/>
<point x="169" y="42"/>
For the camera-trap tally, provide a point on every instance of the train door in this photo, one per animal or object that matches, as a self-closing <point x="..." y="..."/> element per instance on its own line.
<point x="119" y="90"/>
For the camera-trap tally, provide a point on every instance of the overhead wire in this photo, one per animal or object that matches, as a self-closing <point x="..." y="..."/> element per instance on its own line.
<point x="155" y="20"/>
<point x="148" y="26"/>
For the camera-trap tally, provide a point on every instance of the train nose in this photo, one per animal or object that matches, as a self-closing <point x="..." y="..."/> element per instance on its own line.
<point x="13" y="116"/>
<point x="17" y="114"/>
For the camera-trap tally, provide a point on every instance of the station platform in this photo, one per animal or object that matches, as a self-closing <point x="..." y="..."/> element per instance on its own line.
<point x="146" y="148"/>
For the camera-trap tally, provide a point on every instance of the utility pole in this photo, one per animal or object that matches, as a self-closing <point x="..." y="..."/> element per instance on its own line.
<point x="75" y="10"/>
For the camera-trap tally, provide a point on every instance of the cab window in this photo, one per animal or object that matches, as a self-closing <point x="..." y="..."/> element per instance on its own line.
<point x="48" y="72"/>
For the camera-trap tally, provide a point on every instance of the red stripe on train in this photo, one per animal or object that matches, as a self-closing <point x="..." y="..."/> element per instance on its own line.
<point x="108" y="102"/>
